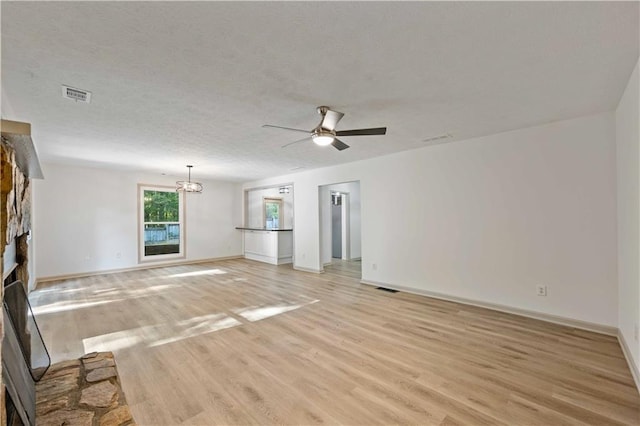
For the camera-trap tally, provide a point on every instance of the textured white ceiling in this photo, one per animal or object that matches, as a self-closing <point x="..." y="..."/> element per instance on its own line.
<point x="178" y="83"/>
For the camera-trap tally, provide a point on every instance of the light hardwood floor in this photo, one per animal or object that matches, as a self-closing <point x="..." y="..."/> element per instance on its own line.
<point x="242" y="342"/>
<point x="344" y="268"/>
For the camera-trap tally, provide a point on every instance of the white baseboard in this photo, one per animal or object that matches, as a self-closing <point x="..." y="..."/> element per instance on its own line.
<point x="583" y="325"/>
<point x="627" y="354"/>
<point x="353" y="259"/>
<point x="44" y="280"/>
<point x="283" y="260"/>
<point x="303" y="269"/>
<point x="259" y="257"/>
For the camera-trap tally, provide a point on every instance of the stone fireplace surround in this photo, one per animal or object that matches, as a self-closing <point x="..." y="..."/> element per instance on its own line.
<point x="85" y="391"/>
<point x="18" y="164"/>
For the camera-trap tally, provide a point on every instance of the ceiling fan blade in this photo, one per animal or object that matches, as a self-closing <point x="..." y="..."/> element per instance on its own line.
<point x="363" y="132"/>
<point x="331" y="119"/>
<point x="299" y="140"/>
<point x="339" y="145"/>
<point x="285" y="128"/>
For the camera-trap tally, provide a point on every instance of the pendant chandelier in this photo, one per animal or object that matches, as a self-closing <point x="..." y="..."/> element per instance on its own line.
<point x="188" y="186"/>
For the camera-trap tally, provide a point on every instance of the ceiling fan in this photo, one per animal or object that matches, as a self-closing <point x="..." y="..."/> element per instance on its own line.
<point x="326" y="134"/>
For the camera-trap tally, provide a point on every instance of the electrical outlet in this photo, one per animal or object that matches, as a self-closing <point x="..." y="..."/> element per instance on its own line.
<point x="635" y="332"/>
<point x="541" y="290"/>
<point x="118" y="255"/>
<point x="374" y="266"/>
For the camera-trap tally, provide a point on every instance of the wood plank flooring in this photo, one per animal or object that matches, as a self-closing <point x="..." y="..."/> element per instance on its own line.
<point x="243" y="342"/>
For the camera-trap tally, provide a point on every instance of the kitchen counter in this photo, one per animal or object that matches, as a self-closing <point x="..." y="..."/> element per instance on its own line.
<point x="274" y="246"/>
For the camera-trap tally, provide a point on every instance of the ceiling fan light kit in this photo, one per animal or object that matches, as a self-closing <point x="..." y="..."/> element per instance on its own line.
<point x="325" y="133"/>
<point x="188" y="186"/>
<point x="323" y="138"/>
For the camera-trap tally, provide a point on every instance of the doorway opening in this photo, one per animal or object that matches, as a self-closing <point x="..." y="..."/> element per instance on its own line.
<point x="340" y="246"/>
<point x="337" y="242"/>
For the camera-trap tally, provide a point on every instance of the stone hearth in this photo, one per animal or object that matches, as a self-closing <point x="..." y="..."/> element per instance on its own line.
<point x="82" y="392"/>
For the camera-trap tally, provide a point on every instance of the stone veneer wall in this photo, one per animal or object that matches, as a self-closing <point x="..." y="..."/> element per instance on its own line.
<point x="82" y="392"/>
<point x="16" y="210"/>
<point x="15" y="224"/>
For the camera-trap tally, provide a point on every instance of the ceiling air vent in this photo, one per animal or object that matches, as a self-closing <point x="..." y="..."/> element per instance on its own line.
<point x="77" y="95"/>
<point x="438" y="139"/>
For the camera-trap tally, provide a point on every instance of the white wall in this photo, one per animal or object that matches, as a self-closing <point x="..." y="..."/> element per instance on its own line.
<point x="628" y="183"/>
<point x="353" y="189"/>
<point x="255" y="205"/>
<point x="487" y="219"/>
<point x="84" y="217"/>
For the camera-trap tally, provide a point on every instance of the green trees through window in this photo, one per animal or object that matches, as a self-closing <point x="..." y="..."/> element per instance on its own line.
<point x="161" y="206"/>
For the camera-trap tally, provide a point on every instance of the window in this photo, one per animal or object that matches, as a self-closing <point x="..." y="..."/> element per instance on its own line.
<point x="161" y="223"/>
<point x="272" y="212"/>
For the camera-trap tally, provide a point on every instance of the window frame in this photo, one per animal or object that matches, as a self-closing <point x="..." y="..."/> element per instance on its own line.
<point x="142" y="257"/>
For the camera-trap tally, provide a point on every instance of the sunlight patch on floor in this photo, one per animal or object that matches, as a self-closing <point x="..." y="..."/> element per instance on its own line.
<point x="114" y="341"/>
<point x="105" y="290"/>
<point x="60" y="290"/>
<point x="259" y="313"/>
<point x="99" y="297"/>
<point x="143" y="291"/>
<point x="159" y="334"/>
<point x="198" y="273"/>
<point x="198" y="326"/>
<point x="164" y="333"/>
<point x="53" y="308"/>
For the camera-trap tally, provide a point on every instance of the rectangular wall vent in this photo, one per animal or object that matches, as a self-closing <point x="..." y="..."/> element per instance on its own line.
<point x="437" y="139"/>
<point x="77" y="95"/>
